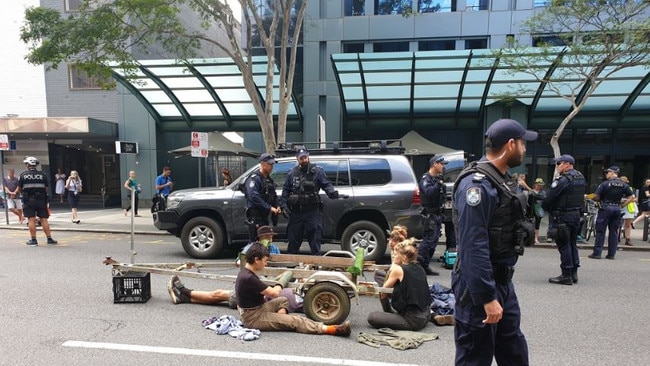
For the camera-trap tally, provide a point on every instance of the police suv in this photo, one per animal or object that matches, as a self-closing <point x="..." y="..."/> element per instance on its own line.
<point x="379" y="181"/>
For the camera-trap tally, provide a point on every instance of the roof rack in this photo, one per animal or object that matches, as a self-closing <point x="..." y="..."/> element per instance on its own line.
<point x="380" y="147"/>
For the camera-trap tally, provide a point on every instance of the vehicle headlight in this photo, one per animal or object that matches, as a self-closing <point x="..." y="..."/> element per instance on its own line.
<point x="174" y="200"/>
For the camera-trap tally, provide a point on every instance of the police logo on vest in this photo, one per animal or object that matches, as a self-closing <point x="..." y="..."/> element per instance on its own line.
<point x="554" y="184"/>
<point x="251" y="184"/>
<point x="473" y="196"/>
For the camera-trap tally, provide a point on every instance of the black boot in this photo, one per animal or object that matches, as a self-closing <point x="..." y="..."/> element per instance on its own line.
<point x="561" y="280"/>
<point x="574" y="276"/>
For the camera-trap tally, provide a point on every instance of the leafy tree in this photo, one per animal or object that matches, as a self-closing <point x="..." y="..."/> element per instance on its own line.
<point x="599" y="38"/>
<point x="113" y="31"/>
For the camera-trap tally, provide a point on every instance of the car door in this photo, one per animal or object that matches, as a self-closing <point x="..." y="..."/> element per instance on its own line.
<point x="337" y="172"/>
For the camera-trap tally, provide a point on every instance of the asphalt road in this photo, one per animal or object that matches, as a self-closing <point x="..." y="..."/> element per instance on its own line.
<point x="57" y="309"/>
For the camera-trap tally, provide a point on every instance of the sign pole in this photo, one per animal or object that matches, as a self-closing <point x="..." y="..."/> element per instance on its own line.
<point x="4" y="145"/>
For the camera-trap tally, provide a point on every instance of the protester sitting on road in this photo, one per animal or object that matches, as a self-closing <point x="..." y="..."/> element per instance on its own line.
<point x="265" y="236"/>
<point x="272" y="315"/>
<point x="397" y="235"/>
<point x="410" y="299"/>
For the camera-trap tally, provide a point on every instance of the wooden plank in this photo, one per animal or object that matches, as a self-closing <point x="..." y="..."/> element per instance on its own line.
<point x="297" y="273"/>
<point x="316" y="260"/>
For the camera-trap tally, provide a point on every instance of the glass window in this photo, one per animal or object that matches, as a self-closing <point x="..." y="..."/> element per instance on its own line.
<point x="390" y="47"/>
<point x="79" y="79"/>
<point x="72" y="5"/>
<point x="280" y="171"/>
<point x="476" y="44"/>
<point x="541" y="3"/>
<point x="366" y="172"/>
<point x="353" y="48"/>
<point x="550" y="41"/>
<point x="476" y="5"/>
<point x="355" y="7"/>
<point x="387" y="7"/>
<point x="436" y="6"/>
<point x="441" y="45"/>
<point x="336" y="171"/>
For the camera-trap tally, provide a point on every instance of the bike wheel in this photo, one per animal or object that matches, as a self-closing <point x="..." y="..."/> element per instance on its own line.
<point x="590" y="227"/>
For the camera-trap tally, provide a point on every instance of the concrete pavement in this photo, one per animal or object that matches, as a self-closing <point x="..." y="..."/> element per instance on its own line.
<point x="112" y="220"/>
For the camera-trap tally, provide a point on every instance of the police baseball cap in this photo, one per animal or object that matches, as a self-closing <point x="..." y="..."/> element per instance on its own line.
<point x="539" y="181"/>
<point x="267" y="158"/>
<point x="614" y="169"/>
<point x="301" y="153"/>
<point x="438" y="159"/>
<point x="505" y="129"/>
<point x="265" y="230"/>
<point x="566" y="158"/>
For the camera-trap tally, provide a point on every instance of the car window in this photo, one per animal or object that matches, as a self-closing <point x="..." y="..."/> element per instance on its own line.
<point x="369" y="171"/>
<point x="280" y="171"/>
<point x="336" y="171"/>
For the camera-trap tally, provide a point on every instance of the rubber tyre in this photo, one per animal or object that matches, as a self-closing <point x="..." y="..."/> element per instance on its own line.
<point x="591" y="229"/>
<point x="202" y="238"/>
<point x="367" y="235"/>
<point x="327" y="302"/>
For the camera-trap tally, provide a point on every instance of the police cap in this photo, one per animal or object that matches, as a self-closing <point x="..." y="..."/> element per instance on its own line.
<point x="438" y="159"/>
<point x="566" y="158"/>
<point x="301" y="153"/>
<point x="267" y="158"/>
<point x="505" y="129"/>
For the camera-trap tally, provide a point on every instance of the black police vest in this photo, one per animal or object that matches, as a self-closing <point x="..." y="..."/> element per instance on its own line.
<point x="438" y="199"/>
<point x="34" y="184"/>
<point x="614" y="191"/>
<point x="267" y="192"/>
<point x="304" y="190"/>
<point x="502" y="229"/>
<point x="574" y="196"/>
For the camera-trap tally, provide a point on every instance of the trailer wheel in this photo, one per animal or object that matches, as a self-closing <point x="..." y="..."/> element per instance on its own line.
<point x="327" y="302"/>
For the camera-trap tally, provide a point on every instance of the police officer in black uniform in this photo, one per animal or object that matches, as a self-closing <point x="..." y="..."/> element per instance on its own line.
<point x="610" y="193"/>
<point x="301" y="202"/>
<point x="432" y="197"/>
<point x="492" y="232"/>
<point x="564" y="201"/>
<point x="261" y="199"/>
<point x="33" y="184"/>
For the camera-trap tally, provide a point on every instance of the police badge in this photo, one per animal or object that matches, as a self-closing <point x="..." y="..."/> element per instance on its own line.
<point x="473" y="196"/>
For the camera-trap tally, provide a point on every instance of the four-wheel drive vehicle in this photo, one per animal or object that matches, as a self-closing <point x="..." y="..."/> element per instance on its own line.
<point x="382" y="192"/>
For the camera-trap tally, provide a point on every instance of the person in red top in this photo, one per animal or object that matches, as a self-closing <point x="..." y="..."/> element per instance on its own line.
<point x="273" y="315"/>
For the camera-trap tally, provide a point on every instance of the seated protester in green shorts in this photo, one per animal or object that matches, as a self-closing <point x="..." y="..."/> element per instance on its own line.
<point x="272" y="315"/>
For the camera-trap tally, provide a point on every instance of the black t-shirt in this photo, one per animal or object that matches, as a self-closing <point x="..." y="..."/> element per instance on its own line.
<point x="248" y="288"/>
<point x="412" y="291"/>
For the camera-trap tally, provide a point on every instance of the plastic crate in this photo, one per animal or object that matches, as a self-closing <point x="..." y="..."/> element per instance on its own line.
<point x="131" y="287"/>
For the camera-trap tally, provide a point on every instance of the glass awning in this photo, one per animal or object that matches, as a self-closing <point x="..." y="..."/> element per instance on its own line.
<point x="202" y="94"/>
<point x="457" y="85"/>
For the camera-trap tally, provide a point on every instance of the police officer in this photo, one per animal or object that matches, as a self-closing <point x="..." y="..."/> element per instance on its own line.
<point x="33" y="184"/>
<point x="432" y="197"/>
<point x="610" y="193"/>
<point x="492" y="232"/>
<point x="564" y="201"/>
<point x="301" y="202"/>
<point x="261" y="199"/>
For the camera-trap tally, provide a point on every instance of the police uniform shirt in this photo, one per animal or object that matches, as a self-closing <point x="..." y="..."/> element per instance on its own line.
<point x="430" y="191"/>
<point x="318" y="177"/>
<point x="33" y="181"/>
<point x="612" y="190"/>
<point x="559" y="185"/>
<point x="255" y="189"/>
<point x="476" y="200"/>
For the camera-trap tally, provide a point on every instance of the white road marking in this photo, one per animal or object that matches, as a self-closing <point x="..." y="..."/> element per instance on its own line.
<point x="226" y="354"/>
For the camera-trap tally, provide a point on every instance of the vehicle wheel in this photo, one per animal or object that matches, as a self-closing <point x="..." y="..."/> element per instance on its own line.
<point x="366" y="235"/>
<point x="327" y="302"/>
<point x="202" y="238"/>
<point x="590" y="227"/>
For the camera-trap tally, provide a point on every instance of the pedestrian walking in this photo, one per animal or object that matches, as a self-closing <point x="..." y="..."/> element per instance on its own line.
<point x="492" y="234"/>
<point x="564" y="201"/>
<point x="131" y="185"/>
<point x="432" y="198"/>
<point x="302" y="203"/>
<point x="610" y="193"/>
<point x="74" y="186"/>
<point x="12" y="194"/>
<point x="33" y="186"/>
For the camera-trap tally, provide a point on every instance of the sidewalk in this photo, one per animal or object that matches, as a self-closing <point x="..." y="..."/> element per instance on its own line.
<point x="100" y="220"/>
<point x="112" y="220"/>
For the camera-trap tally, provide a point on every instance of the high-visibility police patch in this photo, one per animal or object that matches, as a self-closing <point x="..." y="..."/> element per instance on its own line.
<point x="473" y="196"/>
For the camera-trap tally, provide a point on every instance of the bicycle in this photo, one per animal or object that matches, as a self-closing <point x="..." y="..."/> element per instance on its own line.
<point x="589" y="219"/>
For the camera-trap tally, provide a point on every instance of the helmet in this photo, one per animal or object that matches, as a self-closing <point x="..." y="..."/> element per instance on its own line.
<point x="30" y="160"/>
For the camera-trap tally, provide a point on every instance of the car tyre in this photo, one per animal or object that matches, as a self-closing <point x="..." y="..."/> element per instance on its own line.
<point x="202" y="238"/>
<point x="366" y="235"/>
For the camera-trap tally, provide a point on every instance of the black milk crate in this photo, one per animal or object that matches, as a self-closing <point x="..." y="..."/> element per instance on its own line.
<point x="129" y="287"/>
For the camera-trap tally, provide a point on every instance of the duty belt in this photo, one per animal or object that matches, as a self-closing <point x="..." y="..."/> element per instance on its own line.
<point x="502" y="273"/>
<point x="609" y="203"/>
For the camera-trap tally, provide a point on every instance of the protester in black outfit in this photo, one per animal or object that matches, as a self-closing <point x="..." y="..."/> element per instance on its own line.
<point x="33" y="184"/>
<point x="564" y="202"/>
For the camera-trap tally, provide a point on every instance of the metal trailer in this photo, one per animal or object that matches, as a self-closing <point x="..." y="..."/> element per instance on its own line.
<point x="322" y="281"/>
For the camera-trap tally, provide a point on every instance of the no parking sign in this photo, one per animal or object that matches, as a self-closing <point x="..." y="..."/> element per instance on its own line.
<point x="199" y="144"/>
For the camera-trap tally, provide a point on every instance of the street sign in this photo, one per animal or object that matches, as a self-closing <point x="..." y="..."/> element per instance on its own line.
<point x="126" y="147"/>
<point x="199" y="144"/>
<point x="4" y="142"/>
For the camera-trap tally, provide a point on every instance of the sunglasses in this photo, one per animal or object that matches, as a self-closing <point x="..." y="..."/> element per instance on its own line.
<point x="559" y="163"/>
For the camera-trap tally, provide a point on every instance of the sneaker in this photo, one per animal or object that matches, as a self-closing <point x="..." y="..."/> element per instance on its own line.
<point x="549" y="240"/>
<point x="343" y="330"/>
<point x="174" y="287"/>
<point x="443" y="320"/>
<point x="32" y="242"/>
<point x="52" y="241"/>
